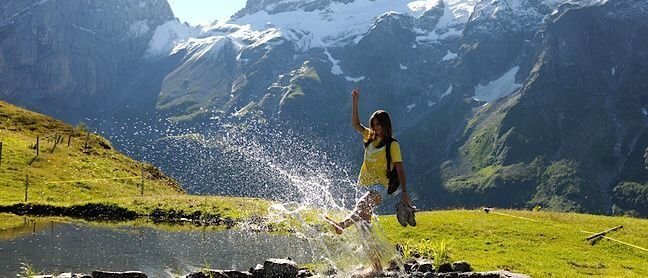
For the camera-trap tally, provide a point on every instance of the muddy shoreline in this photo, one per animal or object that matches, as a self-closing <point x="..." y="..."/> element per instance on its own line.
<point x="112" y="212"/>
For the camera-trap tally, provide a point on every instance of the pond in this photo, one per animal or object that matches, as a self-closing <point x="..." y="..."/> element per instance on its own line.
<point x="53" y="246"/>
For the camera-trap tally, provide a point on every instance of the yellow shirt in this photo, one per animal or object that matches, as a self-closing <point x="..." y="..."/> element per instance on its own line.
<point x="374" y="166"/>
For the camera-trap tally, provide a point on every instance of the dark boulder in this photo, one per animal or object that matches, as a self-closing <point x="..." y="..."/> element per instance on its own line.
<point x="279" y="268"/>
<point x="425" y="266"/>
<point x="237" y="274"/>
<point x="208" y="273"/>
<point x="127" y="274"/>
<point x="461" y="266"/>
<point x="257" y="271"/>
<point x="446" y="267"/>
<point x="409" y="265"/>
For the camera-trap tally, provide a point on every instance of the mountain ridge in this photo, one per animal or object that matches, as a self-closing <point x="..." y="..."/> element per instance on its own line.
<point x="489" y="98"/>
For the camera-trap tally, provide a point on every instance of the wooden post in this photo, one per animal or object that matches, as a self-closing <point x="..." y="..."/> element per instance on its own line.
<point x="69" y="139"/>
<point x="56" y="140"/>
<point x="142" y="186"/>
<point x="85" y="147"/>
<point x="37" y="144"/>
<point x="601" y="234"/>
<point x="26" y="187"/>
<point x="0" y="153"/>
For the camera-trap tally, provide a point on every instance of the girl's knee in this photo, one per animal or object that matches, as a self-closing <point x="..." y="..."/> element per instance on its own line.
<point x="374" y="199"/>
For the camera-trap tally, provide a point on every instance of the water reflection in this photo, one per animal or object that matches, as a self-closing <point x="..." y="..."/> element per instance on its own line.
<point x="55" y="247"/>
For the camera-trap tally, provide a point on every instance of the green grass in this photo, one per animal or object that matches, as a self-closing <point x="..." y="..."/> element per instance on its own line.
<point x="233" y="207"/>
<point x="551" y="245"/>
<point x="100" y="175"/>
<point x="69" y="174"/>
<point x="28" y="270"/>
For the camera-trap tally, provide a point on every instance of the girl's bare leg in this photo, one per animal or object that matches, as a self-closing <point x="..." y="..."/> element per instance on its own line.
<point x="362" y="211"/>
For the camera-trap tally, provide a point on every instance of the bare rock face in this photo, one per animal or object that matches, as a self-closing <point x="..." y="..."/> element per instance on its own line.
<point x="67" y="54"/>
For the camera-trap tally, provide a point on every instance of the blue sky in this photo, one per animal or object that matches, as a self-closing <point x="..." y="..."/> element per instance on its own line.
<point x="202" y="11"/>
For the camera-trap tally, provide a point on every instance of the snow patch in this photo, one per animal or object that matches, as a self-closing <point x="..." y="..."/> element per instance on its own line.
<point x="456" y="14"/>
<point x="402" y="67"/>
<point x="418" y="8"/>
<point x="199" y="48"/>
<point x="498" y="88"/>
<point x="168" y="35"/>
<point x="266" y="38"/>
<point x="335" y="69"/>
<point x="343" y="23"/>
<point x="410" y="107"/>
<point x="612" y="71"/>
<point x="431" y="103"/>
<point x="354" y="79"/>
<point x="645" y="111"/>
<point x="447" y="92"/>
<point x="449" y="56"/>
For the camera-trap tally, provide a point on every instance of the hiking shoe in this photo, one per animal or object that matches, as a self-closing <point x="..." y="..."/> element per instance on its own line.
<point x="405" y="214"/>
<point x="402" y="213"/>
<point x="411" y="218"/>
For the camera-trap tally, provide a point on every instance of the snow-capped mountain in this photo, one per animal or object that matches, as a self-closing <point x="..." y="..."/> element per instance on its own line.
<point x="496" y="102"/>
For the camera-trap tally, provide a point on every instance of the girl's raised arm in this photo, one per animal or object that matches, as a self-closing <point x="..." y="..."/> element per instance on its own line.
<point x="355" y="119"/>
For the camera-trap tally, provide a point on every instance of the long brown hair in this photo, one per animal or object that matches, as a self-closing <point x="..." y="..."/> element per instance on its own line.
<point x="385" y="122"/>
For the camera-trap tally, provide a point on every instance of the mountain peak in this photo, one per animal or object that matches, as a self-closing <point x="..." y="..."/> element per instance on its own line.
<point x="280" y="6"/>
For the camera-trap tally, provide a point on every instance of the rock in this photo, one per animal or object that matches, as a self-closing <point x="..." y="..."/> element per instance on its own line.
<point x="446" y="267"/>
<point x="391" y="274"/>
<point x="73" y="275"/>
<point x="127" y="274"/>
<point x="237" y="274"/>
<point x="425" y="266"/>
<point x="279" y="268"/>
<point x="208" y="273"/>
<point x="257" y="271"/>
<point x="304" y="272"/>
<point x="409" y="265"/>
<point x="461" y="266"/>
<point x="393" y="266"/>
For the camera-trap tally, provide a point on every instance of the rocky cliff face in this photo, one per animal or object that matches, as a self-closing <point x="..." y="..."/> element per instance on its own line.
<point x="64" y="57"/>
<point x="576" y="124"/>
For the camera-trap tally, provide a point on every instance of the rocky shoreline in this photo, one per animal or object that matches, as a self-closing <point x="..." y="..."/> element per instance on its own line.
<point x="286" y="268"/>
<point x="112" y="212"/>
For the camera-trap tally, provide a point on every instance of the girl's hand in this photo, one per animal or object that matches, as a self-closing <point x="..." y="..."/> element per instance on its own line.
<point x="406" y="199"/>
<point x="355" y="93"/>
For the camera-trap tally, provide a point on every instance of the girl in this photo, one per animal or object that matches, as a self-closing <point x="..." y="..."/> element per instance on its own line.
<point x="373" y="179"/>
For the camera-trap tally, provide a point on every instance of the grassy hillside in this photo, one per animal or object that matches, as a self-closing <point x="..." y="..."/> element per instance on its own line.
<point x="75" y="175"/>
<point x="68" y="174"/>
<point x="540" y="244"/>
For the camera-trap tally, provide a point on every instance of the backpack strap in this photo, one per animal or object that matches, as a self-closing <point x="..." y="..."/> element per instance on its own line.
<point x="388" y="153"/>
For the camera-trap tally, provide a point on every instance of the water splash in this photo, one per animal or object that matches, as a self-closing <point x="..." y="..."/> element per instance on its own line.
<point x="313" y="187"/>
<point x="252" y="157"/>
